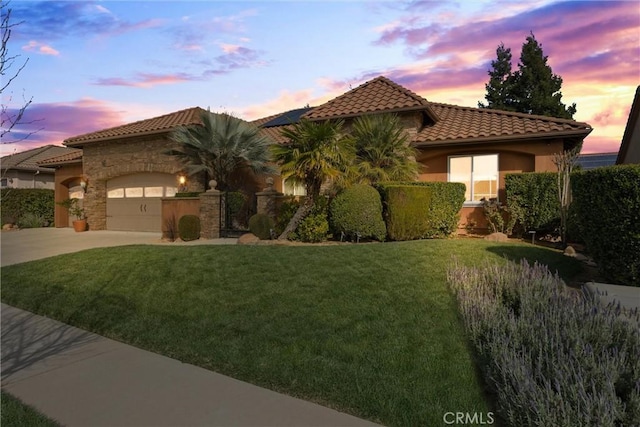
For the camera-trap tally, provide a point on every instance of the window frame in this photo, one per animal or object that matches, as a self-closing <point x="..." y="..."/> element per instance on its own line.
<point x="471" y="190"/>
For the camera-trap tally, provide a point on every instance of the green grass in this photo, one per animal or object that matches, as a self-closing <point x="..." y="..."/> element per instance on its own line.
<point x="17" y="414"/>
<point x="368" y="329"/>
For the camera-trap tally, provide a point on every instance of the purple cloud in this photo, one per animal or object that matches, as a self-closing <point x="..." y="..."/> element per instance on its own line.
<point x="52" y="123"/>
<point x="234" y="58"/>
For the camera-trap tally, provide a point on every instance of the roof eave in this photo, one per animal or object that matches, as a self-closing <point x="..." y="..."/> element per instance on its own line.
<point x="578" y="134"/>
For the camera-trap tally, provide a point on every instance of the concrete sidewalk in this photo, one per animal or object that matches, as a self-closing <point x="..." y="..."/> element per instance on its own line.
<point x="37" y="243"/>
<point x="627" y="296"/>
<point x="82" y="379"/>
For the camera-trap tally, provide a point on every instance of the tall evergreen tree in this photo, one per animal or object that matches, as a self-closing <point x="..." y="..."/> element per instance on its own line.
<point x="532" y="89"/>
<point x="500" y="79"/>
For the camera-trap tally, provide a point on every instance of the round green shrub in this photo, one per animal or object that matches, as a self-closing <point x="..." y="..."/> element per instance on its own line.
<point x="358" y="210"/>
<point x="261" y="226"/>
<point x="189" y="227"/>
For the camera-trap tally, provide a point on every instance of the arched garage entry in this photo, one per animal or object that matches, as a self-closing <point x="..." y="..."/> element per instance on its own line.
<point x="134" y="201"/>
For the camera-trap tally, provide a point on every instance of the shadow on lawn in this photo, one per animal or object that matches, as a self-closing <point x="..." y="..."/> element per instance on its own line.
<point x="568" y="268"/>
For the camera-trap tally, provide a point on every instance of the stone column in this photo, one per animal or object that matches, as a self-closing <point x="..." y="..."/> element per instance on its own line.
<point x="267" y="200"/>
<point x="210" y="212"/>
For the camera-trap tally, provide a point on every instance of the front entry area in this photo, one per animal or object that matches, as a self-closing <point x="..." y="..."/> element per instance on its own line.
<point x="134" y="201"/>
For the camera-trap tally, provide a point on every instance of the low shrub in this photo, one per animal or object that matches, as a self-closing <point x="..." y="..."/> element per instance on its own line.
<point x="498" y="216"/>
<point x="32" y="220"/>
<point x="551" y="358"/>
<point x="532" y="198"/>
<point x="189" y="227"/>
<point x="16" y="202"/>
<point x="607" y="206"/>
<point x="314" y="228"/>
<point x="357" y="211"/>
<point x="261" y="225"/>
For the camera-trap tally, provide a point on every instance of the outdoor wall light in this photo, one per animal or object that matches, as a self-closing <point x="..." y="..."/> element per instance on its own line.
<point x="182" y="180"/>
<point x="83" y="184"/>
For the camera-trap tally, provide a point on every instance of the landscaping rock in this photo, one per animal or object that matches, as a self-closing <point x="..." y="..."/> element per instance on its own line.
<point x="497" y="237"/>
<point x="8" y="227"/>
<point x="248" y="239"/>
<point x="569" y="251"/>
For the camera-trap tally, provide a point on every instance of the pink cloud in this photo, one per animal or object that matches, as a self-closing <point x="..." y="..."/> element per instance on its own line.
<point x="41" y="48"/>
<point x="285" y="101"/>
<point x="600" y="144"/>
<point x="145" y="80"/>
<point x="52" y="123"/>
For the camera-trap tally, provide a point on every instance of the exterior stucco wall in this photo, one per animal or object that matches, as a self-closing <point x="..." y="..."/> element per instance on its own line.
<point x="513" y="157"/>
<point x="27" y="179"/>
<point x="103" y="161"/>
<point x="67" y="176"/>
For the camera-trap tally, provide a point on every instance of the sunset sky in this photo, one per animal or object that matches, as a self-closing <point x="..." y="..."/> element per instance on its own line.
<point x="97" y="64"/>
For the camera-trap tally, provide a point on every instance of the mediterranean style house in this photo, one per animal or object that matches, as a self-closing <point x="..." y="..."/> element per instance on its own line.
<point x="126" y="172"/>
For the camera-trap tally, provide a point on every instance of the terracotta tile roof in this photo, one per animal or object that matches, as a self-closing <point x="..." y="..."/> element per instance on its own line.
<point x="74" y="156"/>
<point x="151" y="126"/>
<point x="379" y="95"/>
<point x="31" y="159"/>
<point x="466" y="124"/>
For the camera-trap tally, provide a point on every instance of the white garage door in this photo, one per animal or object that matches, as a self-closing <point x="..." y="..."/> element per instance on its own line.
<point x="133" y="201"/>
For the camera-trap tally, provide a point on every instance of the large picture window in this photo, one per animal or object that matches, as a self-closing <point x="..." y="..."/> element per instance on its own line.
<point x="478" y="173"/>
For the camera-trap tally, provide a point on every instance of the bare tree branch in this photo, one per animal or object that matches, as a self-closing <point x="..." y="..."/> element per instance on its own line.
<point x="10" y="118"/>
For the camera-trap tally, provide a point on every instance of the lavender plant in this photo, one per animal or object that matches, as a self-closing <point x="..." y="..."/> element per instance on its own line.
<point x="552" y="357"/>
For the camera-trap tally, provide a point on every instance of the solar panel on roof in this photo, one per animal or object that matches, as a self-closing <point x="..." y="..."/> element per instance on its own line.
<point x="288" y="118"/>
<point x="592" y="161"/>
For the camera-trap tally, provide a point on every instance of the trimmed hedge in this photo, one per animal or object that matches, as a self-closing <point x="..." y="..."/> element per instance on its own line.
<point x="20" y="203"/>
<point x="358" y="211"/>
<point x="607" y="203"/>
<point x="407" y="211"/>
<point x="189" y="227"/>
<point x="532" y="197"/>
<point x="442" y="213"/>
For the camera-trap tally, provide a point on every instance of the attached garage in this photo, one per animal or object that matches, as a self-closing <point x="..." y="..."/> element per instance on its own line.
<point x="134" y="201"/>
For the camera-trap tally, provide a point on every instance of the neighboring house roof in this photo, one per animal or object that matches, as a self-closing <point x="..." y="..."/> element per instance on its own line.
<point x="446" y="124"/>
<point x="596" y="160"/>
<point x="74" y="156"/>
<point x="30" y="160"/>
<point x="379" y="95"/>
<point x="630" y="147"/>
<point x="156" y="125"/>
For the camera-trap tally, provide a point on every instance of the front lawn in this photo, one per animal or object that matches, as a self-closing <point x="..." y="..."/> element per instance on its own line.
<point x="17" y="414"/>
<point x="368" y="329"/>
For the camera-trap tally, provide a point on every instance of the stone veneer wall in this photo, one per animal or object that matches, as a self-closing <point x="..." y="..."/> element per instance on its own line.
<point x="105" y="160"/>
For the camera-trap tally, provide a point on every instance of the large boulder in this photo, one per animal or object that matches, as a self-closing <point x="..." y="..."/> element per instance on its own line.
<point x="248" y="239"/>
<point x="497" y="237"/>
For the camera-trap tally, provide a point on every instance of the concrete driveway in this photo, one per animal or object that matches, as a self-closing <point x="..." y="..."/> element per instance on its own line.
<point x="36" y="243"/>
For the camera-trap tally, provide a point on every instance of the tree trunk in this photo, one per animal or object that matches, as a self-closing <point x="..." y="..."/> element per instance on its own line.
<point x="300" y="214"/>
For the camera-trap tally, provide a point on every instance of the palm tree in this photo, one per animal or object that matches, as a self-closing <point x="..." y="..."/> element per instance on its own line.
<point x="316" y="152"/>
<point x="221" y="146"/>
<point x="382" y="149"/>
